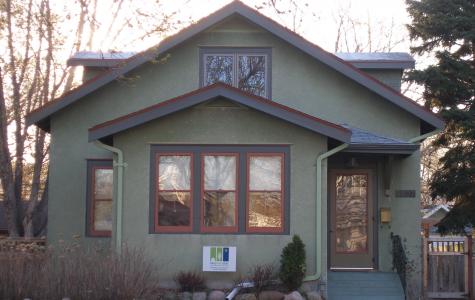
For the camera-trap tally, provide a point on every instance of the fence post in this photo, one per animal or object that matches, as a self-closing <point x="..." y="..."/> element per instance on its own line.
<point x="468" y="267"/>
<point x="425" y="259"/>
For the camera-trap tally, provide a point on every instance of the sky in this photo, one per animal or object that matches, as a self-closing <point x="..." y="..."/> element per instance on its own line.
<point x="319" y="19"/>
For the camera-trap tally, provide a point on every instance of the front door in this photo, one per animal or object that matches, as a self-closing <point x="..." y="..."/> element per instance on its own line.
<point x="351" y="223"/>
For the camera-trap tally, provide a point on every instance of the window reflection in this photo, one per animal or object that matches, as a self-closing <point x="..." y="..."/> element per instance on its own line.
<point x="265" y="191"/>
<point x="218" y="68"/>
<point x="252" y="74"/>
<point x="219" y="190"/>
<point x="351" y="213"/>
<point x="174" y="195"/>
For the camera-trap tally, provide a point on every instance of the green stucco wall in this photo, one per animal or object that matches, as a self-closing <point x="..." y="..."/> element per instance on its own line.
<point x="218" y="125"/>
<point x="298" y="81"/>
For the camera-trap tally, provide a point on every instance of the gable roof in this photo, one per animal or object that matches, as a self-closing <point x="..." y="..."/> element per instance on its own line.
<point x="378" y="60"/>
<point x="211" y="92"/>
<point x="41" y="115"/>
<point x="431" y="212"/>
<point x="361" y="60"/>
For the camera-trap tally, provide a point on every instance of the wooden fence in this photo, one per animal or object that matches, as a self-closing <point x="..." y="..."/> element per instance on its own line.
<point x="447" y="266"/>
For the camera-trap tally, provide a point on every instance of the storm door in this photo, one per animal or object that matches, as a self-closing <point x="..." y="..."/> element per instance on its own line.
<point x="351" y="223"/>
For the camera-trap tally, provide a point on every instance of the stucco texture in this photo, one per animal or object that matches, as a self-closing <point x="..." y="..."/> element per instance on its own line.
<point x="298" y="81"/>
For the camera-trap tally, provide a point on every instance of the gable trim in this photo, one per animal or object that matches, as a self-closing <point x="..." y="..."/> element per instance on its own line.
<point x="40" y="116"/>
<point x="198" y="96"/>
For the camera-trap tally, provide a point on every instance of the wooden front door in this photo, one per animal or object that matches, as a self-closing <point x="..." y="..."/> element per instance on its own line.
<point x="351" y="226"/>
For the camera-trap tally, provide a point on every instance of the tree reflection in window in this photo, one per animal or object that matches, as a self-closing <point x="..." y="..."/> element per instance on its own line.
<point x="218" y="68"/>
<point x="174" y="195"/>
<point x="351" y="213"/>
<point x="244" y="71"/>
<point x="265" y="191"/>
<point x="220" y="190"/>
<point x="252" y="74"/>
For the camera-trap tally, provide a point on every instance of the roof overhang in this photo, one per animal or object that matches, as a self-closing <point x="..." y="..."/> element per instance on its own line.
<point x="107" y="129"/>
<point x="41" y="115"/>
<point x="403" y="149"/>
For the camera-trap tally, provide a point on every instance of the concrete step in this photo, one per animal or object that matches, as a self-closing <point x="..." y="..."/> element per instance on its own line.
<point x="364" y="285"/>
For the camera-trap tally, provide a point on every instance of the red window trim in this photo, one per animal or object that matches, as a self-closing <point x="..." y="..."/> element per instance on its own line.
<point x="173" y="229"/>
<point x="220" y="229"/>
<point x="92" y="231"/>
<point x="282" y="193"/>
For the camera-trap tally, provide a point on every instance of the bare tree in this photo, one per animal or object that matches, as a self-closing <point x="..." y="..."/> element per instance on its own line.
<point x="36" y="35"/>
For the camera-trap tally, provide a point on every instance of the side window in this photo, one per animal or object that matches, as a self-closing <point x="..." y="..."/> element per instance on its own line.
<point x="246" y="69"/>
<point x="174" y="205"/>
<point x="99" y="198"/>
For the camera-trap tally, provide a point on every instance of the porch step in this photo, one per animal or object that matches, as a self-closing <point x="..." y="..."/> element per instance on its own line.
<point x="364" y="285"/>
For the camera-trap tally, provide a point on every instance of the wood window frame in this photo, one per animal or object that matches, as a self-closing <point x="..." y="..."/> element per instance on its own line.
<point x="219" y="229"/>
<point x="92" y="166"/>
<point x="173" y="229"/>
<point x="282" y="192"/>
<point x="197" y="150"/>
<point x="236" y="52"/>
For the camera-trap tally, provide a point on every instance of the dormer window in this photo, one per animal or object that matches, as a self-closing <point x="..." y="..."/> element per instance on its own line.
<point x="245" y="68"/>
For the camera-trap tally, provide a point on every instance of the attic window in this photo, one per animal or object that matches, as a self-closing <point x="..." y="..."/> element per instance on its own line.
<point x="244" y="68"/>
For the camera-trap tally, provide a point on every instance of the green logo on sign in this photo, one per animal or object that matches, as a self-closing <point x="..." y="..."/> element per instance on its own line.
<point x="219" y="254"/>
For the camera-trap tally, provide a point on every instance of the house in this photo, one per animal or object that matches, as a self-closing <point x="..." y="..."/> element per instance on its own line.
<point x="236" y="132"/>
<point x="432" y="216"/>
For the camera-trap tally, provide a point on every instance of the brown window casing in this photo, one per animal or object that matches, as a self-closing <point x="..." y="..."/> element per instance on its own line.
<point x="220" y="229"/>
<point x="173" y="229"/>
<point x="92" y="166"/>
<point x="197" y="188"/>
<point x="256" y="229"/>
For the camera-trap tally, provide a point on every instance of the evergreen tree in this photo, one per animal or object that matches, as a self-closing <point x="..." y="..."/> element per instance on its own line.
<point x="446" y="30"/>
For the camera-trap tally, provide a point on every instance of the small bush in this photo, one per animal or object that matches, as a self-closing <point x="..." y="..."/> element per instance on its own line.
<point x="292" y="264"/>
<point x="261" y="275"/>
<point x="190" y="281"/>
<point x="77" y="273"/>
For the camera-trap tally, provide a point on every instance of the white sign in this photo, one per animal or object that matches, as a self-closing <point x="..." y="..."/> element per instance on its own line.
<point x="219" y="259"/>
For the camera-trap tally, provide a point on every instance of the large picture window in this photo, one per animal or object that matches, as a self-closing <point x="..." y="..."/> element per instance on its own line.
<point x="244" y="68"/>
<point x="220" y="189"/>
<point x="99" y="198"/>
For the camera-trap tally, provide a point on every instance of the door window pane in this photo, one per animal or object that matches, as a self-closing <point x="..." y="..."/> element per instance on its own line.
<point x="218" y="68"/>
<point x="351" y="213"/>
<point x="252" y="74"/>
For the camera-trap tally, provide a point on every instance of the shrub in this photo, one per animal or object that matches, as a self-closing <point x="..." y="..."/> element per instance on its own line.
<point x="190" y="281"/>
<point x="292" y="264"/>
<point x="77" y="273"/>
<point x="261" y="276"/>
